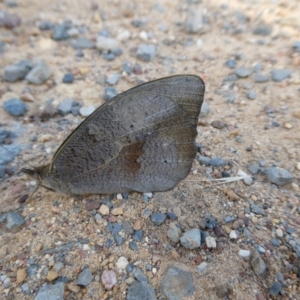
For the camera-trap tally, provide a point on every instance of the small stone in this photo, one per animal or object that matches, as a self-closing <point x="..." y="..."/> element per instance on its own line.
<point x="278" y="176"/>
<point x="177" y="283"/>
<point x="203" y="160"/>
<point x="14" y="221"/>
<point x="73" y="288"/>
<point x="92" y="204"/>
<point x="275" y="288"/>
<point x="251" y="95"/>
<point x="139" y="275"/>
<point x="9" y="21"/>
<point x="146" y="52"/>
<point x="109" y="279"/>
<point x="46" y="25"/>
<point x="210" y="242"/>
<point x="140" y="290"/>
<point x="204" y="109"/>
<point x="174" y="233"/>
<point x="296" y="46"/>
<point x="202" y="267"/>
<point x="218" y="162"/>
<point x="16" y="107"/>
<point x="280" y="74"/>
<point x="260" y="78"/>
<point x="113" y="79"/>
<point x="287" y="125"/>
<point x="106" y="43"/>
<point x="83" y="43"/>
<point x="244" y="253"/>
<point x="253" y="168"/>
<point x="109" y="93"/>
<point x="59" y="32"/>
<point x="65" y="106"/>
<point x="52" y="275"/>
<point x="298" y="166"/>
<point x="258" y="265"/>
<point x="194" y="20"/>
<point x="255" y="208"/>
<point x="68" y="78"/>
<point x="233" y="235"/>
<point x="85" y="111"/>
<point x="17" y="71"/>
<point x="21" y="275"/>
<point x="137" y="235"/>
<point x="39" y="73"/>
<point x="158" y="218"/>
<point x="279" y="232"/>
<point x="122" y="263"/>
<point x="262" y="30"/>
<point x="231" y="195"/>
<point x="231" y="63"/>
<point x="191" y="239"/>
<point x="51" y="292"/>
<point x="218" y="124"/>
<point x="85" y="277"/>
<point x="117" y="211"/>
<point x="242" y="72"/>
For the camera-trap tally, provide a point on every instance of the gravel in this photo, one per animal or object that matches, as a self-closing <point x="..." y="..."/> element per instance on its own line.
<point x="280" y="74"/>
<point x="16" y="107"/>
<point x="146" y="52"/>
<point x="51" y="292"/>
<point x="278" y="176"/>
<point x="85" y="277"/>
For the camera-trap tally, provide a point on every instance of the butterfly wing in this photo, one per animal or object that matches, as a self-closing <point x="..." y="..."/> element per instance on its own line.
<point x="142" y="140"/>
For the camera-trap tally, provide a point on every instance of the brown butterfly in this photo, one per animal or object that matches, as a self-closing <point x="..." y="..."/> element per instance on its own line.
<point x="142" y="140"/>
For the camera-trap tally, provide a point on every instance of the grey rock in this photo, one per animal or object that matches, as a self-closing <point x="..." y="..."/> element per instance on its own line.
<point x="7" y="156"/>
<point x="255" y="208"/>
<point x="14" y="221"/>
<point x="51" y="292"/>
<point x="204" y="109"/>
<point x="25" y="288"/>
<point x="109" y="93"/>
<point x="174" y="233"/>
<point x="140" y="290"/>
<point x="85" y="111"/>
<point x="113" y="79"/>
<point x="118" y="240"/>
<point x="258" y="265"/>
<point x="39" y="73"/>
<point x="231" y="63"/>
<point x="251" y="95"/>
<point x="60" y="32"/>
<point x="117" y="51"/>
<point x="296" y="46"/>
<point x="260" y="78"/>
<point x="68" y="78"/>
<point x="85" y="277"/>
<point x="46" y="25"/>
<point x="10" y="3"/>
<point x="83" y="43"/>
<point x="218" y="162"/>
<point x="137" y="235"/>
<point x="158" y="218"/>
<point x="262" y="30"/>
<point x="275" y="288"/>
<point x="32" y="270"/>
<point x="139" y="275"/>
<point x="127" y="68"/>
<point x="242" y="72"/>
<point x="65" y="106"/>
<point x="248" y="180"/>
<point x="17" y="71"/>
<point x="146" y="52"/>
<point x="16" y="107"/>
<point x="191" y="239"/>
<point x="177" y="284"/>
<point x="203" y="160"/>
<point x="253" y="168"/>
<point x="280" y="74"/>
<point x="194" y="20"/>
<point x="278" y="176"/>
<point x="133" y="246"/>
<point x="108" y="56"/>
<point x="106" y="43"/>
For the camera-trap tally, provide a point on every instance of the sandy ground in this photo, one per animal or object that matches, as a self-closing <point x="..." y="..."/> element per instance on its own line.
<point x="223" y="37"/>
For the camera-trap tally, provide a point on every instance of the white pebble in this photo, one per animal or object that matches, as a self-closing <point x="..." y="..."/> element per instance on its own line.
<point x="233" y="234"/>
<point x="85" y="111"/>
<point x="279" y="232"/>
<point x="149" y="195"/>
<point x="202" y="267"/>
<point x="210" y="242"/>
<point x="85" y="247"/>
<point x="122" y="263"/>
<point x="244" y="253"/>
<point x="119" y="196"/>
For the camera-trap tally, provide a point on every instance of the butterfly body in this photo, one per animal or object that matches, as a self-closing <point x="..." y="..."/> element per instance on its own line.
<point x="142" y="140"/>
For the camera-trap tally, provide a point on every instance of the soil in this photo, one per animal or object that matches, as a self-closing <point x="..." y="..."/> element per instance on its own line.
<point x="53" y="220"/>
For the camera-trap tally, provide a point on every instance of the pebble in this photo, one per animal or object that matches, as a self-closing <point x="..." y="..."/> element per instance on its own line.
<point x="253" y="168"/>
<point x="60" y="32"/>
<point x="9" y="20"/>
<point x="194" y="20"/>
<point x="137" y="235"/>
<point x="203" y="160"/>
<point x="258" y="265"/>
<point x="39" y="74"/>
<point x="158" y="218"/>
<point x="146" y="52"/>
<point x="278" y="176"/>
<point x="104" y="210"/>
<point x="117" y="211"/>
<point x="233" y="235"/>
<point x="262" y="30"/>
<point x="21" y="275"/>
<point x="280" y="74"/>
<point x="279" y="232"/>
<point x="65" y="106"/>
<point x="17" y="71"/>
<point x="122" y="263"/>
<point x="251" y="95"/>
<point x="25" y="288"/>
<point x="106" y="43"/>
<point x="202" y="267"/>
<point x="85" y="111"/>
<point x="210" y="242"/>
<point x="218" y="162"/>
<point x="255" y="208"/>
<point x="244" y="253"/>
<point x="113" y="79"/>
<point x="16" y="107"/>
<point x="205" y="110"/>
<point x="298" y="166"/>
<point x="191" y="239"/>
<point x="242" y="72"/>
<point x="231" y="63"/>
<point x="140" y="290"/>
<point x="177" y="283"/>
<point x="174" y="233"/>
<point x="296" y="46"/>
<point x="109" y="279"/>
<point x="260" y="78"/>
<point x="139" y="275"/>
<point x="83" y="43"/>
<point x="275" y="288"/>
<point x="109" y="93"/>
<point x="218" y="124"/>
<point x="85" y="277"/>
<point x="51" y="292"/>
<point x="46" y="25"/>
<point x="14" y="221"/>
<point x="52" y="275"/>
<point x="68" y="78"/>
